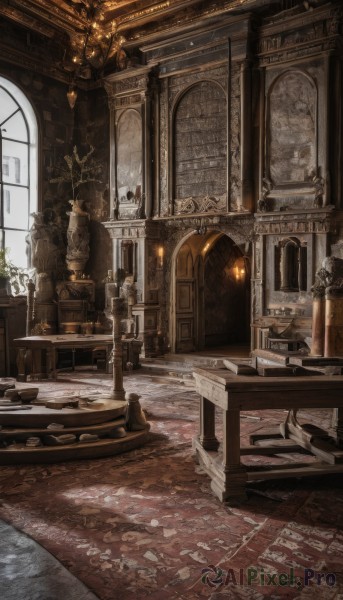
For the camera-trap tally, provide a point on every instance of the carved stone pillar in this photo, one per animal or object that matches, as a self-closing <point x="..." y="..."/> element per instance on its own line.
<point x="118" y="311"/>
<point x="30" y="319"/>
<point x="318" y="324"/>
<point x="246" y="137"/>
<point x="333" y="322"/>
<point x="147" y="155"/>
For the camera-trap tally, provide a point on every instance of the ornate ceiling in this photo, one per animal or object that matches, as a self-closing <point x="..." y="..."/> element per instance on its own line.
<point x="77" y="38"/>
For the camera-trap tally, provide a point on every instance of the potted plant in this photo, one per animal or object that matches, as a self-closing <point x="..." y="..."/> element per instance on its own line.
<point x="12" y="278"/>
<point x="78" y="171"/>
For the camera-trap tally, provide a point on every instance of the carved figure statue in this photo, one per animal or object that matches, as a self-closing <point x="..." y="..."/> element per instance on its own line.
<point x="45" y="241"/>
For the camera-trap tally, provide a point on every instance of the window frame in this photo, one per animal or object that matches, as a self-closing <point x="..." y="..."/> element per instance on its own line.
<point x="26" y="109"/>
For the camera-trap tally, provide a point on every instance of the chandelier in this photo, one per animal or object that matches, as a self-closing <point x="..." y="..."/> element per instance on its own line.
<point x="92" y="46"/>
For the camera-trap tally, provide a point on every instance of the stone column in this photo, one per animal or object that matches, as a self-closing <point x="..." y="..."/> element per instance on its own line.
<point x="30" y="307"/>
<point x="147" y="155"/>
<point x="246" y="137"/>
<point x="333" y="345"/>
<point x="118" y="311"/>
<point x="318" y="324"/>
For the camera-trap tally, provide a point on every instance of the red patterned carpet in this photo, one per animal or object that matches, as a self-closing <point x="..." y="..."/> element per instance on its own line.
<point x="146" y="524"/>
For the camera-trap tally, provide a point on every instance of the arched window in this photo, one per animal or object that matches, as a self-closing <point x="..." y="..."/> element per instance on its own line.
<point x="18" y="174"/>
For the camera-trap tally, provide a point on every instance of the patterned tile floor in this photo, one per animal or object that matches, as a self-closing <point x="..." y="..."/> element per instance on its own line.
<point x="146" y="524"/>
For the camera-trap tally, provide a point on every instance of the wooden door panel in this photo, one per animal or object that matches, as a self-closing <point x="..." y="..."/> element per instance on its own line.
<point x="184" y="296"/>
<point x="185" y="315"/>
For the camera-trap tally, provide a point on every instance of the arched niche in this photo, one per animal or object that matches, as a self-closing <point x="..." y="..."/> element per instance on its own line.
<point x="129" y="157"/>
<point x="200" y="149"/>
<point x="291" y="265"/>
<point x="292" y="130"/>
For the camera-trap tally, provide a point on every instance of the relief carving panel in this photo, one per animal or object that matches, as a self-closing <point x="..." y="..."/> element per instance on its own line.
<point x="292" y="129"/>
<point x="129" y="161"/>
<point x="164" y="148"/>
<point x="235" y="126"/>
<point x="200" y="149"/>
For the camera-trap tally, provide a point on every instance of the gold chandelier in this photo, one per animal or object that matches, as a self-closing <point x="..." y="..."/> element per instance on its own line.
<point x="93" y="46"/>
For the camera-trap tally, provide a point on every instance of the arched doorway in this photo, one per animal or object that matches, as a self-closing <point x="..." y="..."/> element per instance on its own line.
<point x="211" y="289"/>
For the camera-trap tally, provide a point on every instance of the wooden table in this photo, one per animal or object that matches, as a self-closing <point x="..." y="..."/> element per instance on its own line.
<point x="233" y="393"/>
<point x="37" y="354"/>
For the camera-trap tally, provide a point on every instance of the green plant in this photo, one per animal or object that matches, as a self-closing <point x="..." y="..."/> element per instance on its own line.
<point x="16" y="276"/>
<point x="78" y="171"/>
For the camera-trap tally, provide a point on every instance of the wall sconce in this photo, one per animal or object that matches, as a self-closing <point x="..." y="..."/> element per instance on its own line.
<point x="72" y="95"/>
<point x="239" y="269"/>
<point x="160" y="255"/>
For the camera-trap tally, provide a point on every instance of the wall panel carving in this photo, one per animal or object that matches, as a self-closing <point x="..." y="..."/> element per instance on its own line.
<point x="200" y="146"/>
<point x="235" y="127"/>
<point x="129" y="164"/>
<point x="171" y="91"/>
<point x="164" y="148"/>
<point x="292" y="129"/>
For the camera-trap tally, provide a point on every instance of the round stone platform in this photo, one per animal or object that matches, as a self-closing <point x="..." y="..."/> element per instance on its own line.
<point x="103" y="418"/>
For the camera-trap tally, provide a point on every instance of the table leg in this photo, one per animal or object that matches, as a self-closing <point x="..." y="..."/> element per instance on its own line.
<point x="51" y="362"/>
<point x="21" y="353"/>
<point x="337" y="424"/>
<point x="207" y="436"/>
<point x="231" y="485"/>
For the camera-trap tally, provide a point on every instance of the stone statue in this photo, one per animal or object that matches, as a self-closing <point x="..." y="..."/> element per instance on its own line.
<point x="46" y="243"/>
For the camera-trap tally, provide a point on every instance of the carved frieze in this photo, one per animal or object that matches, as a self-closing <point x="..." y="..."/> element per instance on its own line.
<point x="295" y="223"/>
<point x="126" y="91"/>
<point x="200" y="205"/>
<point x="134" y="230"/>
<point x="306" y="35"/>
<point x="239" y="229"/>
<point x="126" y="101"/>
<point x="131" y="84"/>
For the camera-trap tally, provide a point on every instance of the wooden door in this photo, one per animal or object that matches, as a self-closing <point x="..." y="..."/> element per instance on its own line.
<point x="184" y="301"/>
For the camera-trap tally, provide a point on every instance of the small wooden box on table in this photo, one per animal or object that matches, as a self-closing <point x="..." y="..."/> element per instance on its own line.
<point x="234" y="393"/>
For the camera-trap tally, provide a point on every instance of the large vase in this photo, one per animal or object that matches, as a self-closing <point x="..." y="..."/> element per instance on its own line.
<point x="77" y="243"/>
